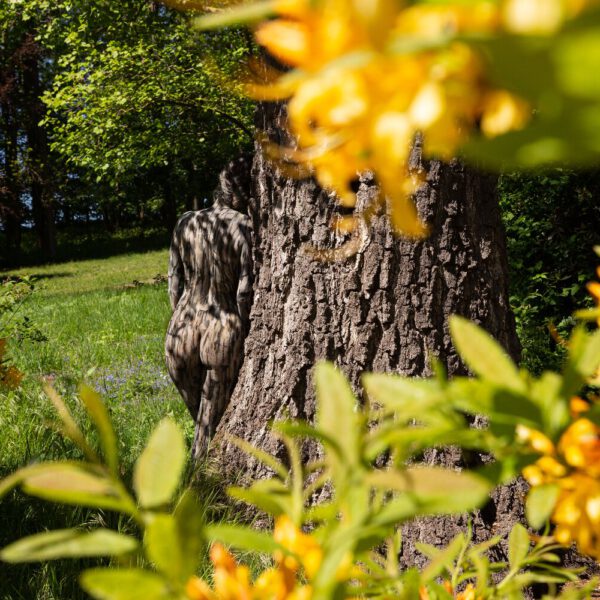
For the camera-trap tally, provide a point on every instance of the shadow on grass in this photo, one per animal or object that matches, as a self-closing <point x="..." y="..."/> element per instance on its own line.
<point x="36" y="276"/>
<point x="86" y="242"/>
<point x="23" y="515"/>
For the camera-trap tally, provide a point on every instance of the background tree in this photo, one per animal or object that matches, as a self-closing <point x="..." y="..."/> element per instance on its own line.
<point x="118" y="112"/>
<point x="145" y="103"/>
<point x="26" y="173"/>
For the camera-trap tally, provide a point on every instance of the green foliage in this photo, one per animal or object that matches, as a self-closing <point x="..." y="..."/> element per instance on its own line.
<point x="540" y="503"/>
<point x="484" y="356"/>
<point x="141" y="92"/>
<point x="159" y="468"/>
<point x="91" y="483"/>
<point x="113" y="111"/>
<point x="69" y="543"/>
<point x="551" y="221"/>
<point x="14" y="291"/>
<point x="554" y="73"/>
<point x="365" y="502"/>
<point x="85" y="309"/>
<point x="461" y="562"/>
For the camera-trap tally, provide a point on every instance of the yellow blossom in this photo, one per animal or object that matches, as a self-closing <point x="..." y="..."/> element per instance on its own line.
<point x="503" y="112"/>
<point x="286" y="40"/>
<point x="573" y="465"/>
<point x="198" y="589"/>
<point x="533" y="16"/>
<point x="434" y="20"/>
<point x="344" y="225"/>
<point x="535" y="439"/>
<point x="577" y="513"/>
<point x="540" y="17"/>
<point x="275" y="583"/>
<point x="368" y="75"/>
<point x="231" y="581"/>
<point x="577" y="406"/>
<point x="363" y="113"/>
<point x="580" y="446"/>
<point x="299" y="543"/>
<point x="428" y="106"/>
<point x="468" y="593"/>
<point x="334" y="101"/>
<point x="593" y="288"/>
<point x="392" y="135"/>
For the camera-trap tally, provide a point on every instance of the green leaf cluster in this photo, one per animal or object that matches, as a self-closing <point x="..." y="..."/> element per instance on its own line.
<point x="126" y="113"/>
<point x="551" y="224"/>
<point x="367" y="481"/>
<point x="172" y="539"/>
<point x="555" y="73"/>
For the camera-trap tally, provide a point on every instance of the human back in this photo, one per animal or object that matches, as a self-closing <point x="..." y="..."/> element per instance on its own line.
<point x="212" y="244"/>
<point x="210" y="289"/>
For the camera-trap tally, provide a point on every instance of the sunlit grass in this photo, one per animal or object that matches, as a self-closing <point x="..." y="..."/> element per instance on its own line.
<point x="102" y="328"/>
<point x="96" y="274"/>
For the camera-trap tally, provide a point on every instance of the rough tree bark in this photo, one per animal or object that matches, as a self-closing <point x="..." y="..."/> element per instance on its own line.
<point x="385" y="309"/>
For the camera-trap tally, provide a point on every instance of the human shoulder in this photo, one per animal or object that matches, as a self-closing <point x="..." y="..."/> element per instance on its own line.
<point x="232" y="216"/>
<point x="184" y="219"/>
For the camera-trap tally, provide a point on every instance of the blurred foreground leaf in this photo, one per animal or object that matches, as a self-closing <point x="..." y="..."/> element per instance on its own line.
<point x="124" y="584"/>
<point x="68" y="543"/>
<point x="158" y="470"/>
<point x="540" y="504"/>
<point x="519" y="543"/>
<point x="99" y="414"/>
<point x="75" y="484"/>
<point x="483" y="355"/>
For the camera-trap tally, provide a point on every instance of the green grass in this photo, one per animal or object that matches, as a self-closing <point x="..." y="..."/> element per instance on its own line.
<point x="96" y="275"/>
<point x="103" y="329"/>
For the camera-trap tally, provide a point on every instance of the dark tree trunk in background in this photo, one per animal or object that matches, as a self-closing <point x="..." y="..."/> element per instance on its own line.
<point x="193" y="200"/>
<point x="42" y="202"/>
<point x="169" y="207"/>
<point x="385" y="309"/>
<point x="10" y="199"/>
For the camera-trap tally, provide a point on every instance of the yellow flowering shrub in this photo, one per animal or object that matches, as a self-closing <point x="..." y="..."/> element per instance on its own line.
<point x="365" y="77"/>
<point x="568" y="472"/>
<point x="281" y="582"/>
<point x="467" y="594"/>
<point x="573" y="465"/>
<point x="356" y="103"/>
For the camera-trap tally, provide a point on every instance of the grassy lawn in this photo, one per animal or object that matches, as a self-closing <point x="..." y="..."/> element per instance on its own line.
<point x="103" y="328"/>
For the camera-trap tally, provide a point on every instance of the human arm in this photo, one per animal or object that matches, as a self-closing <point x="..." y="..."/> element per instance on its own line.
<point x="244" y="290"/>
<point x="176" y="279"/>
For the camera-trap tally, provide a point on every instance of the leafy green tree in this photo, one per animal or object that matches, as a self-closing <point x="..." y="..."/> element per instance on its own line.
<point x="138" y="95"/>
<point x="112" y="111"/>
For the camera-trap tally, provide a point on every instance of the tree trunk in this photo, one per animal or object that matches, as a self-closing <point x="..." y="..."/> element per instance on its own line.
<point x="10" y="193"/>
<point x="42" y="202"/>
<point x="168" y="209"/>
<point x="384" y="309"/>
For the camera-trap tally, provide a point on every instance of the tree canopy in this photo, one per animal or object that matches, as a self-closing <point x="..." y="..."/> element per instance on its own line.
<point x="117" y="108"/>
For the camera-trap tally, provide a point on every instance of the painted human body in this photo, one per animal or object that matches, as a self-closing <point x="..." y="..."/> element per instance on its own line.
<point x="210" y="289"/>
